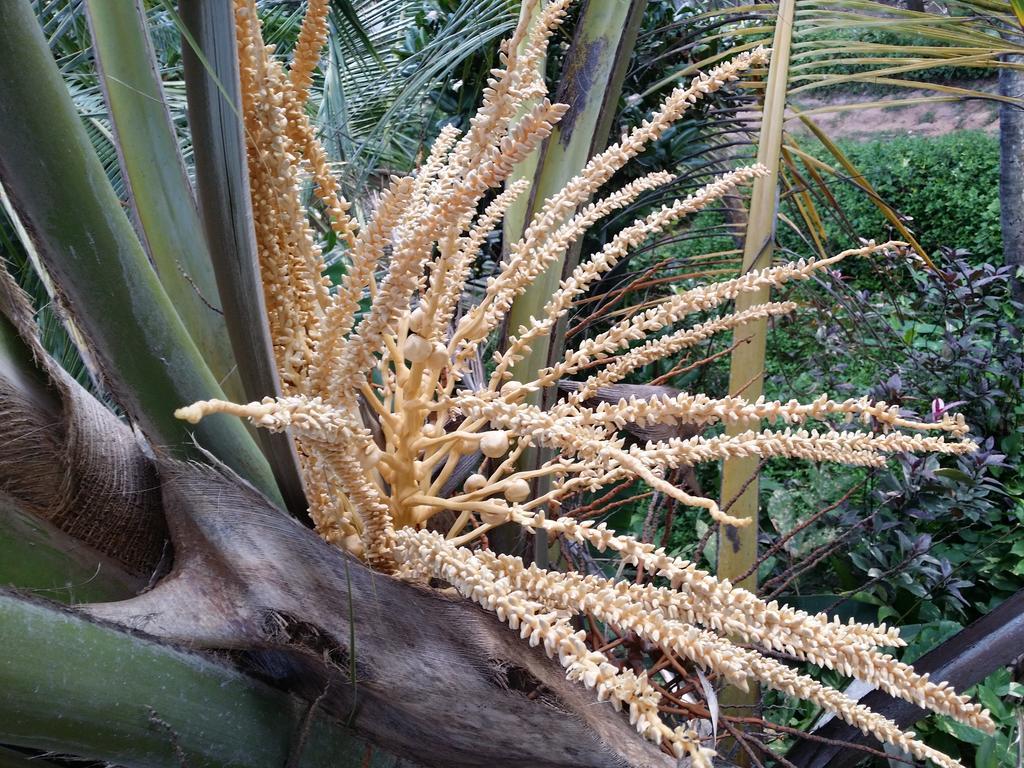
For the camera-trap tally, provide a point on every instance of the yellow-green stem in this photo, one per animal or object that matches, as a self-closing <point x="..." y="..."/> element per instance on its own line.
<point x="737" y="547"/>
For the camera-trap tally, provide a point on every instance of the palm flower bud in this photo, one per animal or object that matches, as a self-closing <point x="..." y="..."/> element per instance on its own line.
<point x="352" y="543"/>
<point x="417" y="349"/>
<point x="517" y="490"/>
<point x="371" y="456"/>
<point x="417" y="320"/>
<point x="495" y="515"/>
<point x="494" y="444"/>
<point x="474" y="483"/>
<point x="439" y="356"/>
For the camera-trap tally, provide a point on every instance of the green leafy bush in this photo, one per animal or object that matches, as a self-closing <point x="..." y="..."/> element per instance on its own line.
<point x="947" y="186"/>
<point x="929" y="545"/>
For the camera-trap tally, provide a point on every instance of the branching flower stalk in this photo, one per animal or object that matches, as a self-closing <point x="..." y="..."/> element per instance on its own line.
<point x="392" y="431"/>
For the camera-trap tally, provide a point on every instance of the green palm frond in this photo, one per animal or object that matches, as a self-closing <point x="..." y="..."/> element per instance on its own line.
<point x="373" y="109"/>
<point x="830" y="35"/>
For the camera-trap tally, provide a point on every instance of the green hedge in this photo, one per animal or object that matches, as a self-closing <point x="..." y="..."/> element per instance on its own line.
<point x="948" y="185"/>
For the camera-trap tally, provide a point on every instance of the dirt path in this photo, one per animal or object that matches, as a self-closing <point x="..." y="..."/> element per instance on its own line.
<point x="929" y="119"/>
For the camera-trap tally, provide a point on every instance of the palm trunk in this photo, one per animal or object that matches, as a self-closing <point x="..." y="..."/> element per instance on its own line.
<point x="412" y="670"/>
<point x="1011" y="167"/>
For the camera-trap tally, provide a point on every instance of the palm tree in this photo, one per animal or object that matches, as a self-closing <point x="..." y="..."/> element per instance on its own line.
<point x="310" y="647"/>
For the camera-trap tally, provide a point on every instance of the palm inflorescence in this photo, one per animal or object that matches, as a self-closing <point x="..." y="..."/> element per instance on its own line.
<point x="410" y="457"/>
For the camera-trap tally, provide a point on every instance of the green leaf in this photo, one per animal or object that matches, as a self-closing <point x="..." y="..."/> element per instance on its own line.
<point x="953" y="474"/>
<point x="986" y="756"/>
<point x="993" y="702"/>
<point x="40" y="559"/>
<point x="924" y="637"/>
<point x="222" y="182"/>
<point x="79" y="688"/>
<point x="851" y="173"/>
<point x="346" y="10"/>
<point x="159" y="190"/>
<point x="886" y="612"/>
<point x="377" y="94"/>
<point x="1018" y="10"/>
<point x="959" y="730"/>
<point x="148" y="360"/>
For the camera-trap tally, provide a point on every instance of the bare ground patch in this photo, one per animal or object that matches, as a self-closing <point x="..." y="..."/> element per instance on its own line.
<point x="899" y="118"/>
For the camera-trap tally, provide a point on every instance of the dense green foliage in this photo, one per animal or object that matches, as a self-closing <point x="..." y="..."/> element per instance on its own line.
<point x="927" y="544"/>
<point x="947" y="187"/>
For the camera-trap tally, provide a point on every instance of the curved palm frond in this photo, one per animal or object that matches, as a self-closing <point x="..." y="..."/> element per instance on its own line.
<point x="374" y="108"/>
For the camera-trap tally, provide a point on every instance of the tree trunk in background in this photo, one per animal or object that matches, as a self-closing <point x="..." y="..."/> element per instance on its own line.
<point x="591" y="82"/>
<point x="1011" y="168"/>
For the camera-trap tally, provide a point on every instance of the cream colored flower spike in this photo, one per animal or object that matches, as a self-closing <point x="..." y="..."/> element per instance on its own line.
<point x="388" y="440"/>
